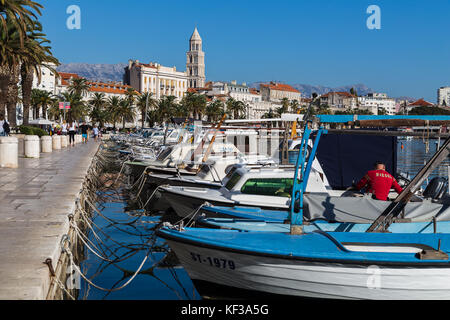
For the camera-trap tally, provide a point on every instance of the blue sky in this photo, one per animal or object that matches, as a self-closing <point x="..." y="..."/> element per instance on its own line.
<point x="320" y="42"/>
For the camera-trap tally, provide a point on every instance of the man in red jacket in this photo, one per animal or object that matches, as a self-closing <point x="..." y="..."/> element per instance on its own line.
<point x="379" y="182"/>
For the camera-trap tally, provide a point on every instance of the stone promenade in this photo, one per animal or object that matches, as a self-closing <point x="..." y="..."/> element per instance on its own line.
<point x="35" y="200"/>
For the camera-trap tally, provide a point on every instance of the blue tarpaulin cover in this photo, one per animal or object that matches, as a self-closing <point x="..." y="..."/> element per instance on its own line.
<point x="347" y="158"/>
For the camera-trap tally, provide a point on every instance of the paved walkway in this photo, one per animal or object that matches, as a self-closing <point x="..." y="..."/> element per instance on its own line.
<point x="34" y="203"/>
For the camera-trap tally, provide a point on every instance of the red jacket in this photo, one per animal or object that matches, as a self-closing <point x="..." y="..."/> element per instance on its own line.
<point x="379" y="183"/>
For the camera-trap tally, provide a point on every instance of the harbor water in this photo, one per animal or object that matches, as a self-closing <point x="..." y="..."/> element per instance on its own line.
<point x="123" y="238"/>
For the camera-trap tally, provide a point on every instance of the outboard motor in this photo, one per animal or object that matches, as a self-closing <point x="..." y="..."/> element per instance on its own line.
<point x="436" y="188"/>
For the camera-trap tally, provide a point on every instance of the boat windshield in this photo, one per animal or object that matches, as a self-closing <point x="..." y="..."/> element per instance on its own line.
<point x="164" y="154"/>
<point x="278" y="187"/>
<point x="233" y="181"/>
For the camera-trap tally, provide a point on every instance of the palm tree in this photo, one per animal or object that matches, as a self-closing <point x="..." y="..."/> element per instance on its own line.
<point x="143" y="101"/>
<point x="98" y="112"/>
<point x="39" y="54"/>
<point x="22" y="48"/>
<point x="112" y="105"/>
<point x="79" y="87"/>
<point x="166" y="108"/>
<point x="215" y="110"/>
<point x="19" y="13"/>
<point x="284" y="107"/>
<point x="294" y="106"/>
<point x="130" y="95"/>
<point x="125" y="111"/>
<point x="235" y="107"/>
<point x="195" y="103"/>
<point x="78" y="108"/>
<point x="45" y="100"/>
<point x="35" y="102"/>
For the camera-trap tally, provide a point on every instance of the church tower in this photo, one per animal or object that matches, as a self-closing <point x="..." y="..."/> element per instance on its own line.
<point x="195" y="65"/>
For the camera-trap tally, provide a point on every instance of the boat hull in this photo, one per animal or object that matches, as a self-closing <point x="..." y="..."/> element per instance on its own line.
<point x="312" y="279"/>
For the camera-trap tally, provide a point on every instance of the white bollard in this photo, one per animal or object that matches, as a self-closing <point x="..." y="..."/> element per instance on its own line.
<point x="9" y="152"/>
<point x="63" y="141"/>
<point x="46" y="144"/>
<point x="32" y="147"/>
<point x="56" y="142"/>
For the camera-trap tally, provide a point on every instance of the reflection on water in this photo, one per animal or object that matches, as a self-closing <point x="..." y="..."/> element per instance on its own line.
<point x="412" y="156"/>
<point x="125" y="238"/>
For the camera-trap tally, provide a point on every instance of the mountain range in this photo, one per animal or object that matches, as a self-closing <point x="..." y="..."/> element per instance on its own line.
<point x="114" y="72"/>
<point x="307" y="90"/>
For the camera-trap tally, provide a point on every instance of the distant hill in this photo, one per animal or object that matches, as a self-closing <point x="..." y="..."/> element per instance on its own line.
<point x="307" y="90"/>
<point x="101" y="72"/>
<point x="115" y="72"/>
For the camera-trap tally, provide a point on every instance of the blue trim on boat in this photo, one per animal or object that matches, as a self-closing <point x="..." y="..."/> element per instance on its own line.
<point x="314" y="247"/>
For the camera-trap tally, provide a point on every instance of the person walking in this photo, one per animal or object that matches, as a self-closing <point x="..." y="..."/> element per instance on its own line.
<point x="95" y="132"/>
<point x="4" y="126"/>
<point x="64" y="128"/>
<point x="379" y="182"/>
<point x="72" y="131"/>
<point x="84" y="132"/>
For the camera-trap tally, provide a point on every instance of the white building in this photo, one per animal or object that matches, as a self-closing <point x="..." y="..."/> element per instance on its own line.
<point x="375" y="101"/>
<point x="157" y="79"/>
<point x="47" y="81"/>
<point x="443" y="96"/>
<point x="239" y="92"/>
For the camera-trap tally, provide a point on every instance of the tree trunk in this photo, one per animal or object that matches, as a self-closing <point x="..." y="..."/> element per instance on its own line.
<point x="12" y="96"/>
<point x="4" y="81"/>
<point x="27" y="86"/>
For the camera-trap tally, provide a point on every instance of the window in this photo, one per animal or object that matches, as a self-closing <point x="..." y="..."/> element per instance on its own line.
<point x="278" y="187"/>
<point x="164" y="154"/>
<point x="233" y="181"/>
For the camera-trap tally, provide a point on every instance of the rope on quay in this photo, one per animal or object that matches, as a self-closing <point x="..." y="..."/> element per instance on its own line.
<point x="61" y="285"/>
<point x="119" y="244"/>
<point x="87" y="199"/>
<point x="192" y="215"/>
<point x="73" y="265"/>
<point x="152" y="195"/>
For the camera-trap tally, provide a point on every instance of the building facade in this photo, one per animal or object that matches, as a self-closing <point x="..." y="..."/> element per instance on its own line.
<point x="47" y="79"/>
<point x="195" y="63"/>
<point x="157" y="79"/>
<point x="339" y="101"/>
<point x="375" y="101"/>
<point x="275" y="92"/>
<point x="443" y="98"/>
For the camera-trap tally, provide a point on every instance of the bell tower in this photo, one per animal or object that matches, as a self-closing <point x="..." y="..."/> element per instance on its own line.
<point x="195" y="65"/>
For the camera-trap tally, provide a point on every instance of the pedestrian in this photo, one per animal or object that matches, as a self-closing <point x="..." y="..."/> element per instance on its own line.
<point x="95" y="132"/>
<point x="72" y="132"/>
<point x="4" y="126"/>
<point x="64" y="128"/>
<point x="84" y="132"/>
<point x="379" y="182"/>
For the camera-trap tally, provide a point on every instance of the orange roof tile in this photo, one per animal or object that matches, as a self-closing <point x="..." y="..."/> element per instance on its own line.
<point x="421" y="102"/>
<point x="341" y="93"/>
<point x="280" y="87"/>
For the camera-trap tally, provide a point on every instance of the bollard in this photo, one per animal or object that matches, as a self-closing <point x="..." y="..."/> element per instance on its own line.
<point x="32" y="147"/>
<point x="9" y="152"/>
<point x="56" y="142"/>
<point x="63" y="141"/>
<point x="46" y="144"/>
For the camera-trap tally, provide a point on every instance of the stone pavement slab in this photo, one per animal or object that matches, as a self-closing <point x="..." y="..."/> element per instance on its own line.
<point x="35" y="200"/>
